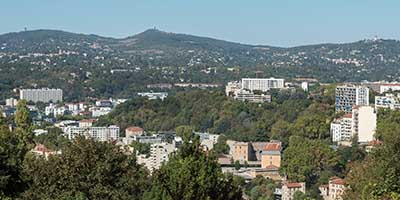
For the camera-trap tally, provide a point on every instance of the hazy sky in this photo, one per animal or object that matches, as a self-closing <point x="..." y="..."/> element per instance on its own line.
<point x="268" y="22"/>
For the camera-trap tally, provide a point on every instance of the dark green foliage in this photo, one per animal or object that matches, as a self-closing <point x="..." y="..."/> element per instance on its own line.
<point x="306" y="160"/>
<point x="86" y="169"/>
<point x="192" y="174"/>
<point x="377" y="177"/>
<point x="141" y="148"/>
<point x="212" y="111"/>
<point x="53" y="139"/>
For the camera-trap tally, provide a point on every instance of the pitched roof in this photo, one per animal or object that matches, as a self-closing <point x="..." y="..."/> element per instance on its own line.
<point x="294" y="185"/>
<point x="134" y="129"/>
<point x="338" y="181"/>
<point x="272" y="146"/>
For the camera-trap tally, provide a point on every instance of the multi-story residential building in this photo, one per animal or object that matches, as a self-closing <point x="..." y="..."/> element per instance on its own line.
<point x="159" y="153"/>
<point x="271" y="156"/>
<point x="288" y="189"/>
<point x="387" y="101"/>
<point x="100" y="111"/>
<point x="364" y="123"/>
<point x="262" y="84"/>
<point x="347" y="96"/>
<point x="232" y="88"/>
<point x="341" y="128"/>
<point x="254" y="98"/>
<point x="110" y="133"/>
<point x="241" y="151"/>
<point x="389" y="87"/>
<point x="334" y="190"/>
<point x="41" y="95"/>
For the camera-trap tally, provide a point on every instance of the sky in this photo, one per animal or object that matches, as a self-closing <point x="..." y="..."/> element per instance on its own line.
<point x="282" y="23"/>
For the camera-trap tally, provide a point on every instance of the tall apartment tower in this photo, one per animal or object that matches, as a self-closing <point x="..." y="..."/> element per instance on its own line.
<point x="347" y="96"/>
<point x="41" y="95"/>
<point x="364" y="123"/>
<point x="262" y="84"/>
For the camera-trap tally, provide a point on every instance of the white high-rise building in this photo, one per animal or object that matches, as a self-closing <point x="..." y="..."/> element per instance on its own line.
<point x="347" y="96"/>
<point x="388" y="101"/>
<point x="341" y="129"/>
<point x="41" y="95"/>
<point x="103" y="134"/>
<point x="364" y="123"/>
<point x="262" y="84"/>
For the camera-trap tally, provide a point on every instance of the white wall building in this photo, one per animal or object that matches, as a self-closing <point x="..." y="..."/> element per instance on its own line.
<point x="154" y="95"/>
<point x="262" y="84"/>
<point x="232" y="88"/>
<point x="98" y="133"/>
<point x="11" y="102"/>
<point x="347" y="96"/>
<point x="304" y="86"/>
<point x="388" y="101"/>
<point x="341" y="129"/>
<point x="41" y="95"/>
<point x="159" y="153"/>
<point x="389" y="87"/>
<point x="364" y="123"/>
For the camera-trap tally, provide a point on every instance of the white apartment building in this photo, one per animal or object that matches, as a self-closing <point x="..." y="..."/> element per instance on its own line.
<point x="304" y="86"/>
<point x="389" y="87"/>
<point x="388" y="101"/>
<point x="154" y="95"/>
<point x="99" y="133"/>
<point x="364" y="123"/>
<point x="232" y="88"/>
<point x="341" y="129"/>
<point x="159" y="153"/>
<point x="254" y="98"/>
<point x="262" y="84"/>
<point x="41" y="95"/>
<point x="347" y="96"/>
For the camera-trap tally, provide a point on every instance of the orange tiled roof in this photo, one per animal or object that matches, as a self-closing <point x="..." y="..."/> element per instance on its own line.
<point x="272" y="147"/>
<point x="338" y="181"/>
<point x="134" y="129"/>
<point x="293" y="185"/>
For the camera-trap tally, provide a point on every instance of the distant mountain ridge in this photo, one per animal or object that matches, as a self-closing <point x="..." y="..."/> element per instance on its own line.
<point x="157" y="48"/>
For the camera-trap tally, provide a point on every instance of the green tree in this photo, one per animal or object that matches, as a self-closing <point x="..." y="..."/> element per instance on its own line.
<point x="86" y="169"/>
<point x="305" y="160"/>
<point x="192" y="174"/>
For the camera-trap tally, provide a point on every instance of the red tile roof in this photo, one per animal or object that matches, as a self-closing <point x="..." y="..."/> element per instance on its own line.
<point x="272" y="147"/>
<point x="349" y="115"/>
<point x="294" y="185"/>
<point x="134" y="129"/>
<point x="374" y="143"/>
<point x="272" y="167"/>
<point x="338" y="181"/>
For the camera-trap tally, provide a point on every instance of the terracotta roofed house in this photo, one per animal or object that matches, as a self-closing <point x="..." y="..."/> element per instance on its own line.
<point x="133" y="131"/>
<point x="271" y="154"/>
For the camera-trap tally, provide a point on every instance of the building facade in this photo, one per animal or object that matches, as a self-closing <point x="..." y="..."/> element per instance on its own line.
<point x="262" y="84"/>
<point x="41" y="95"/>
<point x="347" y="96"/>
<point x="388" y="101"/>
<point x="271" y="155"/>
<point x="288" y="189"/>
<point x="341" y="128"/>
<point x="364" y="123"/>
<point x="103" y="134"/>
